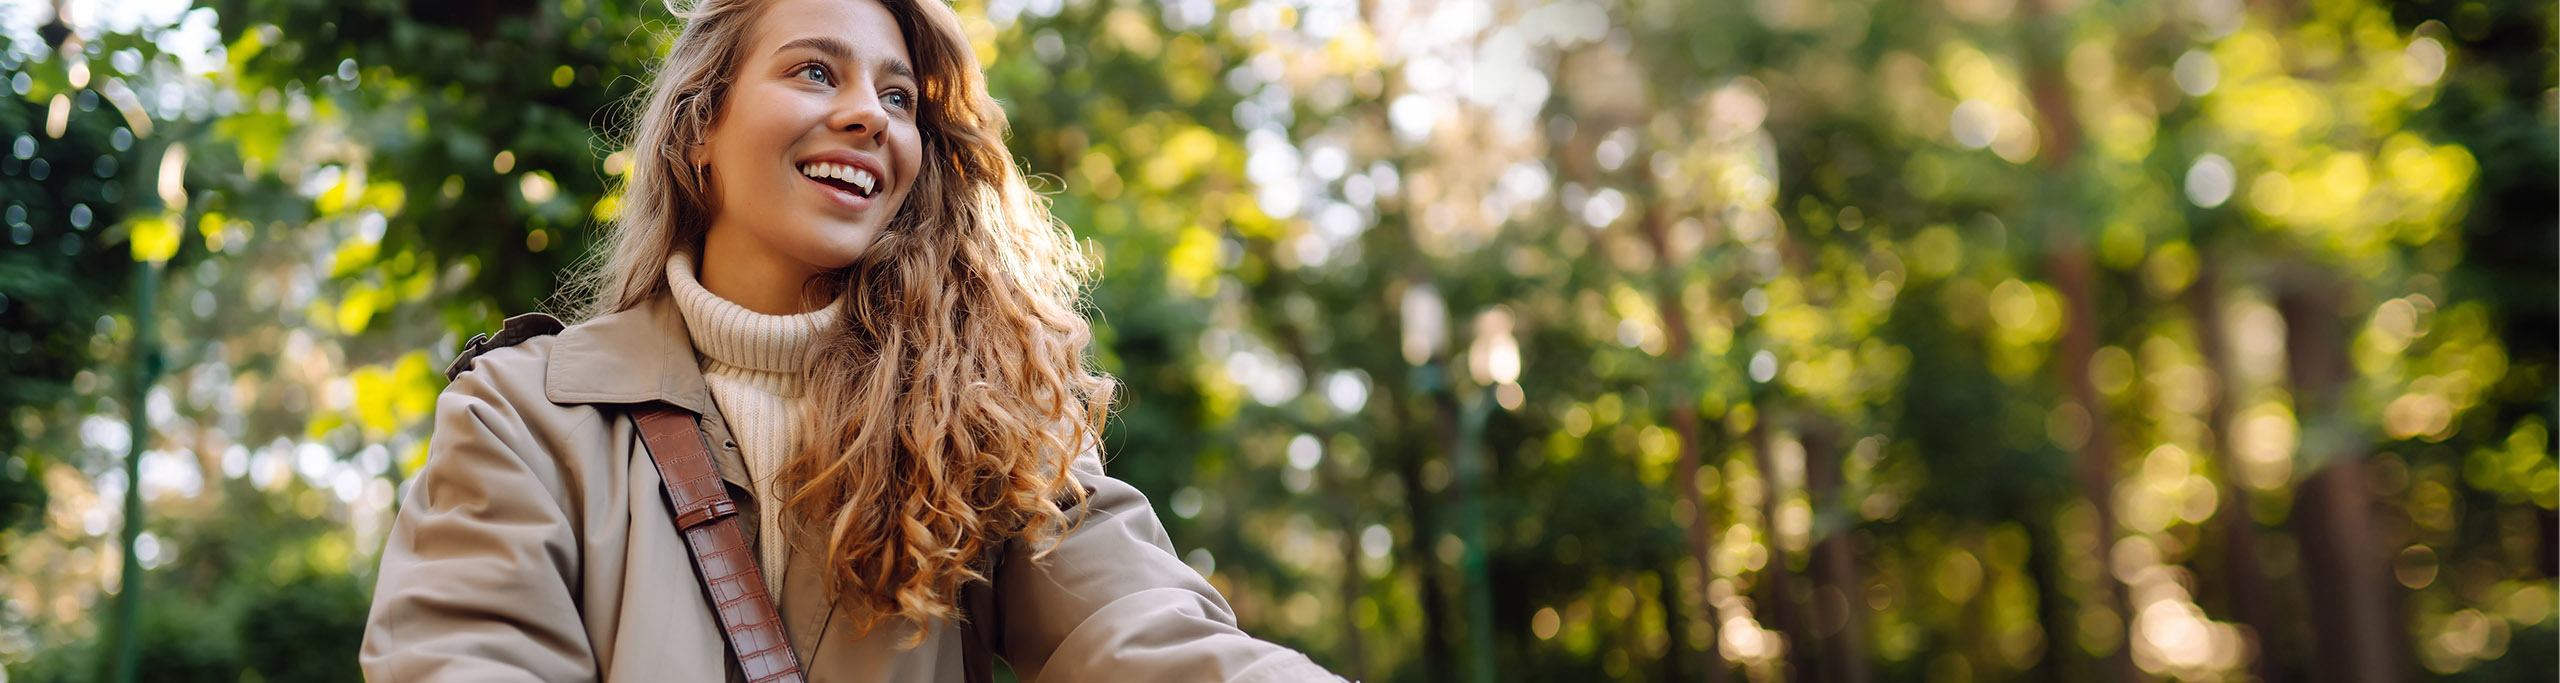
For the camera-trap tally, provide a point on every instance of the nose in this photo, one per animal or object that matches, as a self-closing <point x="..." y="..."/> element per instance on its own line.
<point x="859" y="113"/>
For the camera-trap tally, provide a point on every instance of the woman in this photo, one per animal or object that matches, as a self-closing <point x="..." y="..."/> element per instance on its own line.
<point x="827" y="263"/>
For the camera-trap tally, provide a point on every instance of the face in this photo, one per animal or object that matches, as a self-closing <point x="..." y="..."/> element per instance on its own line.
<point x="816" y="146"/>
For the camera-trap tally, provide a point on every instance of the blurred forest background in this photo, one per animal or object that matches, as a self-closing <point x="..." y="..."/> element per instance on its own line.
<point x="1463" y="340"/>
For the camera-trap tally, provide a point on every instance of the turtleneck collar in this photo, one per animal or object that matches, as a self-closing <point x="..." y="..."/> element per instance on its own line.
<point x="728" y="333"/>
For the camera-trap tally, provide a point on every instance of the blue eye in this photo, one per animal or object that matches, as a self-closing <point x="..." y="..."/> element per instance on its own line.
<point x="899" y="99"/>
<point x="810" y="68"/>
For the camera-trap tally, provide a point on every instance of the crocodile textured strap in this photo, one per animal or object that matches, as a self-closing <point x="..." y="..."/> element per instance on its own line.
<point x="709" y="520"/>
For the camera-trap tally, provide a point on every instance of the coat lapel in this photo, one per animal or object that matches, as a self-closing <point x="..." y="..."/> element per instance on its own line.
<point x="640" y="354"/>
<point x="807" y="614"/>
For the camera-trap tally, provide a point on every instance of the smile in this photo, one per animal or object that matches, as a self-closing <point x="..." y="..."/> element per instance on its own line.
<point x="857" y="181"/>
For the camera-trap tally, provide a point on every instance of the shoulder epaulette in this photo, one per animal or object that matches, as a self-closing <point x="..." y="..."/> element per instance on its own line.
<point x="515" y="331"/>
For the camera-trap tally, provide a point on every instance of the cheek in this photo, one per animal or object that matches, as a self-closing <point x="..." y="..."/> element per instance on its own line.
<point x="911" y="161"/>
<point x="758" y="125"/>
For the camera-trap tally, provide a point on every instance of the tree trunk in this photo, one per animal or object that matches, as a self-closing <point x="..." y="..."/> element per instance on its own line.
<point x="1837" y="588"/>
<point x="2351" y="595"/>
<point x="2095" y="466"/>
<point x="1435" y="603"/>
<point x="1779" y="598"/>
<point x="1421" y="510"/>
<point x="2546" y="556"/>
<point x="1466" y="491"/>
<point x="2242" y="576"/>
<point x="2071" y="270"/>
<point x="1675" y="624"/>
<point x="2044" y="569"/>
<point x="1356" y="660"/>
<point x="1684" y="421"/>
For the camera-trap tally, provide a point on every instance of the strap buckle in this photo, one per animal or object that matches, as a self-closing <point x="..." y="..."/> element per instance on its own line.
<point x="693" y="517"/>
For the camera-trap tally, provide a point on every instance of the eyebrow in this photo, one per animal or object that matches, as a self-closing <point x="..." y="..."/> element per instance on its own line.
<point x="839" y="51"/>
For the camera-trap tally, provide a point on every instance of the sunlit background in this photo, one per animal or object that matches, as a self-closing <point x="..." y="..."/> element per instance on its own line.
<point x="1462" y="340"/>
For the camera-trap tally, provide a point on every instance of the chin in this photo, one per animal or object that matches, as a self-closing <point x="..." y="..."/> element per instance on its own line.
<point x="832" y="258"/>
<point x="830" y="254"/>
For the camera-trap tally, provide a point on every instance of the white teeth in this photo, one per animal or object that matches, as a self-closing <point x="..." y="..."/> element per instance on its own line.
<point x="859" y="178"/>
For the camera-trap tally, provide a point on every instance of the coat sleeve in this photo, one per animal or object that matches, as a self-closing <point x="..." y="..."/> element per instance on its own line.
<point x="478" y="567"/>
<point x="1113" y="603"/>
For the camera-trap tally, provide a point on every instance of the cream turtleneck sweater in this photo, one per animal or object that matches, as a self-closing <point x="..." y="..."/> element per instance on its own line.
<point x="752" y="362"/>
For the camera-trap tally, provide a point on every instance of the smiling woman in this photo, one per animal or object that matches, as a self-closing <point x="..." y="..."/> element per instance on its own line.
<point x="829" y="272"/>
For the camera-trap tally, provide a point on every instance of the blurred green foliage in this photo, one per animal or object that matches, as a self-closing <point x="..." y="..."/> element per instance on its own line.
<point x="1466" y="339"/>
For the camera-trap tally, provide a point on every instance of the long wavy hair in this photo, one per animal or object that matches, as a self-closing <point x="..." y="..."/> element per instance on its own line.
<point x="943" y="415"/>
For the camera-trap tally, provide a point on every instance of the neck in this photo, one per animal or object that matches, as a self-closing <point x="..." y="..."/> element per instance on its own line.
<point x="756" y="279"/>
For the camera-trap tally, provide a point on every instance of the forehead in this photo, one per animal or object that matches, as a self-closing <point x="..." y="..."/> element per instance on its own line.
<point x="863" y="26"/>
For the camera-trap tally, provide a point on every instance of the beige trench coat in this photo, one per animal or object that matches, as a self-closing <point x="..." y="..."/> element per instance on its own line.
<point x="535" y="544"/>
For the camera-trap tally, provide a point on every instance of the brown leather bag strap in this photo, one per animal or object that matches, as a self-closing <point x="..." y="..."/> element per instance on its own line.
<point x="709" y="521"/>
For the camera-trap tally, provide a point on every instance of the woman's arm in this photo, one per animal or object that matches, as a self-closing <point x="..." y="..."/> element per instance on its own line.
<point x="1113" y="603"/>
<point x="476" y="574"/>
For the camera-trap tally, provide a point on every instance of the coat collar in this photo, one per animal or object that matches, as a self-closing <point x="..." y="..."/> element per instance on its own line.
<point x="635" y="355"/>
<point x="640" y="355"/>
